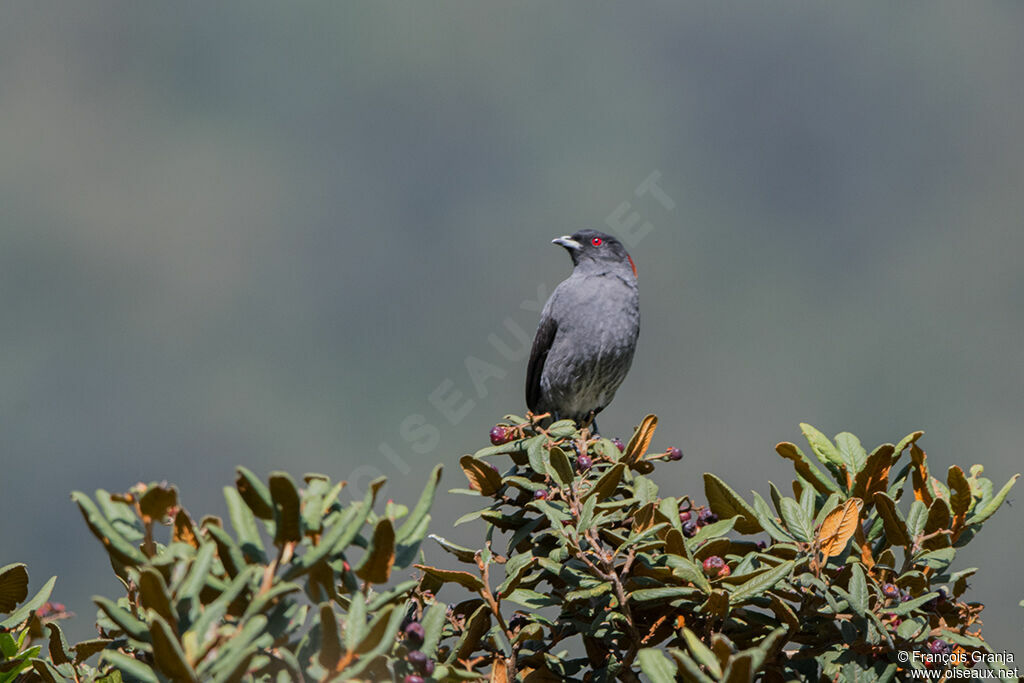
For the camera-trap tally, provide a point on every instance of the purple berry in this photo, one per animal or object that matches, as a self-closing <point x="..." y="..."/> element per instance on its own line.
<point x="890" y="591"/>
<point x="500" y="434"/>
<point x="690" y="529"/>
<point x="761" y="545"/>
<point x="540" y="494"/>
<point x="674" y="453"/>
<point x="938" y="647"/>
<point x="413" y="678"/>
<point x="684" y="516"/>
<point x="904" y="595"/>
<point x="618" y="444"/>
<point x="707" y="516"/>
<point x="419" y="661"/>
<point x="415" y="633"/>
<point x="584" y="463"/>
<point x="428" y="668"/>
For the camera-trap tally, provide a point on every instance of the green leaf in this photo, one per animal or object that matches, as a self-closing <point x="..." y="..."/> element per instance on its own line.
<point x="194" y="581"/>
<point x="851" y="451"/>
<point x="858" y="590"/>
<point x="607" y="484"/>
<point x="233" y="660"/>
<point x="13" y="586"/>
<point x="115" y="544"/>
<point x="760" y="583"/>
<point x="130" y="666"/>
<point x="916" y="518"/>
<point x="936" y="559"/>
<point x="433" y="626"/>
<point x="463" y="553"/>
<point x="656" y="666"/>
<point x="702" y="654"/>
<point x="244" y="523"/>
<point x="740" y="669"/>
<point x="123" y="619"/>
<point x="559" y="466"/>
<point x="911" y="605"/>
<point x="538" y="455"/>
<point x="806" y="468"/>
<point x="22" y="613"/>
<point x="821" y="446"/>
<point x="154" y="595"/>
<point x="796" y="521"/>
<point x="726" y="503"/>
<point x="355" y="621"/>
<point x="167" y="651"/>
<point x="768" y="521"/>
<point x="530" y="598"/>
<point x="663" y="594"/>
<point x="411" y="525"/>
<point x="989" y="508"/>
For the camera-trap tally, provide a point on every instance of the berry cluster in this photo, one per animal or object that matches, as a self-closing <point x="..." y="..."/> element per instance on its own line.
<point x="422" y="665"/>
<point x="716" y="568"/>
<point x="694" y="519"/>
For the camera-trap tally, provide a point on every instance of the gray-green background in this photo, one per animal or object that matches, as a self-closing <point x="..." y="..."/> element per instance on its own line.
<point x="263" y="234"/>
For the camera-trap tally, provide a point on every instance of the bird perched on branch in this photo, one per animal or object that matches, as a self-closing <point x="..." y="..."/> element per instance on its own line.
<point x="587" y="332"/>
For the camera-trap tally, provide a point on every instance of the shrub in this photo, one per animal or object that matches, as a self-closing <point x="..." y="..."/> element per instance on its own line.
<point x="584" y="572"/>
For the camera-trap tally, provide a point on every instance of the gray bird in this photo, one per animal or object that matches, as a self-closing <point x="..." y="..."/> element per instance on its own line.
<point x="587" y="332"/>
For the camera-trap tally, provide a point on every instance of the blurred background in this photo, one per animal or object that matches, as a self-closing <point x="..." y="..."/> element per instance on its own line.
<point x="272" y="235"/>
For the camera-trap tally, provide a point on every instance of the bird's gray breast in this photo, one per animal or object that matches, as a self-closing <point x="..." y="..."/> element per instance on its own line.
<point x="598" y="324"/>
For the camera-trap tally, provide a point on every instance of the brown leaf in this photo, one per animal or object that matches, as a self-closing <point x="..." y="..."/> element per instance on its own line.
<point x="380" y="556"/>
<point x="895" y="529"/>
<point x="482" y="477"/>
<point x="960" y="496"/>
<point x="641" y="440"/>
<point x="919" y="473"/>
<point x="464" y="579"/>
<point x="838" y="527"/>
<point x="499" y="672"/>
<point x="875" y="474"/>
<point x="184" y="530"/>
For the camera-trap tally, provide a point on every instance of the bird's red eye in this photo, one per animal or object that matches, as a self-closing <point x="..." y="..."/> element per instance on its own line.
<point x="596" y="241"/>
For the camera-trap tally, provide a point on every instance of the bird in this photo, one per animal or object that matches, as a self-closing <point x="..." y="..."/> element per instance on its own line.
<point x="587" y="333"/>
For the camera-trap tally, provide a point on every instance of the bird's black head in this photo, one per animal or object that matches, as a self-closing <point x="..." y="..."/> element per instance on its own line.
<point x="590" y="248"/>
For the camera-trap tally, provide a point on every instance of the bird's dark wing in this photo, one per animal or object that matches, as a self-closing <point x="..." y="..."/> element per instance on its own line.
<point x="541" y="345"/>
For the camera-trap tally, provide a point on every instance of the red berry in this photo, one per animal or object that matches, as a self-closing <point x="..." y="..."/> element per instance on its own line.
<point x="413" y="678"/>
<point x="618" y="444"/>
<point x="713" y="565"/>
<point x="674" y="453"/>
<point x="540" y="494"/>
<point x="500" y="434"/>
<point x="684" y="516"/>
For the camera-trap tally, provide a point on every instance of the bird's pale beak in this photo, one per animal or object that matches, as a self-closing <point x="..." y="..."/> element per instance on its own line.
<point x="567" y="242"/>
